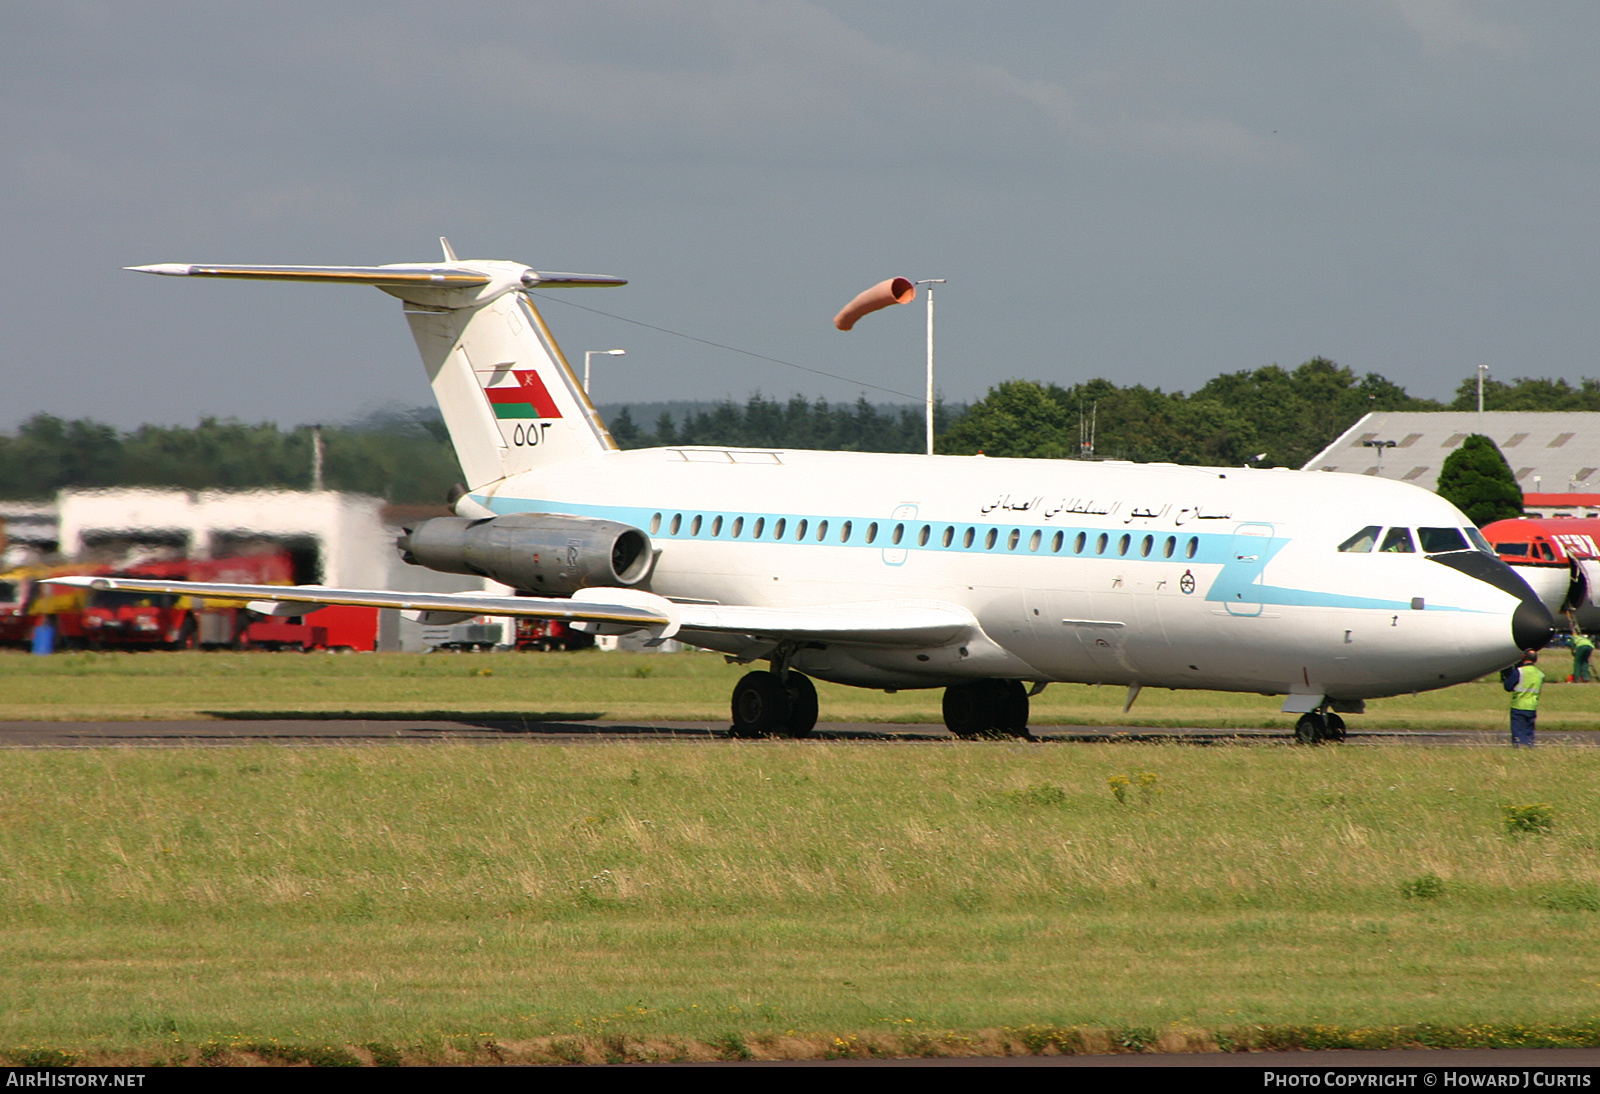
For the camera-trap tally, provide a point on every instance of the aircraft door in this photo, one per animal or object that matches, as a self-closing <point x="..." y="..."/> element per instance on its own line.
<point x="1246" y="568"/>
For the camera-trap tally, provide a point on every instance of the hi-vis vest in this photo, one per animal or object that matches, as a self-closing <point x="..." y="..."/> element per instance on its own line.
<point x="1525" y="696"/>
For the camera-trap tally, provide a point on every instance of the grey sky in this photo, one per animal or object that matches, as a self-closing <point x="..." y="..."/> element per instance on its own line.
<point x="1151" y="192"/>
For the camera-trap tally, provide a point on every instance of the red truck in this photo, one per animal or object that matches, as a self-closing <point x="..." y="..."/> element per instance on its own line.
<point x="131" y="620"/>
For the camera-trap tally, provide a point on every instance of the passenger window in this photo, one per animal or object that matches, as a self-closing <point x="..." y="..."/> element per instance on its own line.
<point x="899" y="534"/>
<point x="844" y="532"/>
<point x="1438" y="541"/>
<point x="1144" y="547"/>
<point x="966" y="537"/>
<point x="1362" y="541"/>
<point x="1172" y="543"/>
<point x="1122" y="544"/>
<point x="1013" y="539"/>
<point x="1100" y="544"/>
<point x="1398" y="542"/>
<point x="822" y="531"/>
<point x="655" y="524"/>
<point x="738" y="527"/>
<point x="1055" y="543"/>
<point x="872" y="531"/>
<point x="716" y="526"/>
<point x="1078" y="542"/>
<point x="759" y="527"/>
<point x="777" y="529"/>
<point x="989" y="538"/>
<point x="1194" y="545"/>
<point x="677" y="522"/>
<point x="922" y="536"/>
<point x="949" y="536"/>
<point x="1033" y="541"/>
<point x="800" y="530"/>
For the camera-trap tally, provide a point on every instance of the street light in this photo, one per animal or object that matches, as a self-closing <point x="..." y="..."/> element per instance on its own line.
<point x="1380" y="446"/>
<point x="928" y="402"/>
<point x="588" y="355"/>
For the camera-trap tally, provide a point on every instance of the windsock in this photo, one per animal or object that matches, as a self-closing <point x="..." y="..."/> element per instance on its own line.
<point x="896" y="290"/>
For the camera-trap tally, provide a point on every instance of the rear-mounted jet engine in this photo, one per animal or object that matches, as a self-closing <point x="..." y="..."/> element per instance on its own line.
<point x="536" y="553"/>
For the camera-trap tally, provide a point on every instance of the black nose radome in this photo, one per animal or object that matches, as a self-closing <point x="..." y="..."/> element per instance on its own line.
<point x="1532" y="626"/>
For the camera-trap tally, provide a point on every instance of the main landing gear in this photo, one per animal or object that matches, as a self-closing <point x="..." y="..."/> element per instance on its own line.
<point x="986" y="708"/>
<point x="773" y="704"/>
<point x="1319" y="726"/>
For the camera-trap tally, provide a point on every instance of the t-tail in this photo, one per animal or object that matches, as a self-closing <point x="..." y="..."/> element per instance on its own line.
<point x="509" y="397"/>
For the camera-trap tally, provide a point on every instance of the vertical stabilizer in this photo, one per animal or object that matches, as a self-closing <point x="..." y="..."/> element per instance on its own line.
<point x="507" y="393"/>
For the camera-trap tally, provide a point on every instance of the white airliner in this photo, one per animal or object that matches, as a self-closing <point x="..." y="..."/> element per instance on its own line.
<point x="985" y="577"/>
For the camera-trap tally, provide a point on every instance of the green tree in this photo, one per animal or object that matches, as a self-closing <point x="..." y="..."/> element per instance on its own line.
<point x="1528" y="393"/>
<point x="1477" y="480"/>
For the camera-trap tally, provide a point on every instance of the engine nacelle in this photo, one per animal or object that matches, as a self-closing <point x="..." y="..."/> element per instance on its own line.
<point x="534" y="552"/>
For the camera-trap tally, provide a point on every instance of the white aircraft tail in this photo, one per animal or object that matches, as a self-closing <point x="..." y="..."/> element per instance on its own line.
<point x="510" y="399"/>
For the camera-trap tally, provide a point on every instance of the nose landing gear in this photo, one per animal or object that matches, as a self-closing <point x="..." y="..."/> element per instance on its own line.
<point x="986" y="708"/>
<point x="1319" y="726"/>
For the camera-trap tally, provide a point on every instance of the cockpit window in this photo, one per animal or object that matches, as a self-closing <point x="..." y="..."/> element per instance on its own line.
<point x="1545" y="552"/>
<point x="1438" y="541"/>
<point x="1362" y="541"/>
<point x="1479" y="542"/>
<point x="1512" y="550"/>
<point x="1398" y="541"/>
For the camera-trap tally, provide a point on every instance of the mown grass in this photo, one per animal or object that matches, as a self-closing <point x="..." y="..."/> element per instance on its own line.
<point x="642" y="687"/>
<point x="742" y="893"/>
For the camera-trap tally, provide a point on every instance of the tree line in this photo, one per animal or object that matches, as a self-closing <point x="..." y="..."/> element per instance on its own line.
<point x="1270" y="415"/>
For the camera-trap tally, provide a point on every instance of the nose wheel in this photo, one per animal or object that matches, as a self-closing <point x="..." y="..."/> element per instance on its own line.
<point x="986" y="708"/>
<point x="1319" y="726"/>
<point x="766" y="704"/>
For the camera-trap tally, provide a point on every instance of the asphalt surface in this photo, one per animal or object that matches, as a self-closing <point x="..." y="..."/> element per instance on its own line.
<point x="375" y="731"/>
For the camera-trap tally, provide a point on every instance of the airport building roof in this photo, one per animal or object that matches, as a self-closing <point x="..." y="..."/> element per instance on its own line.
<point x="1549" y="451"/>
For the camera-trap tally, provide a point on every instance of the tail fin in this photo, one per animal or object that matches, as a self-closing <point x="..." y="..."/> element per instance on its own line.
<point x="509" y="398"/>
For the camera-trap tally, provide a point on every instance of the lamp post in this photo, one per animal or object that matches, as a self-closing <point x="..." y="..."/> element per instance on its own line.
<point x="1483" y="370"/>
<point x="588" y="356"/>
<point x="928" y="401"/>
<point x="1380" y="446"/>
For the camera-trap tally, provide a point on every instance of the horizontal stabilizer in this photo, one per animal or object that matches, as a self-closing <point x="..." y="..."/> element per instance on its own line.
<point x="452" y="275"/>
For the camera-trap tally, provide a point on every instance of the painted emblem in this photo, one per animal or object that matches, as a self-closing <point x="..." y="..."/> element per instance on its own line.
<point x="1186" y="582"/>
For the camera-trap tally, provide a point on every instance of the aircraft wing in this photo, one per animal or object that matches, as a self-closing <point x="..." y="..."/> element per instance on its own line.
<point x="899" y="623"/>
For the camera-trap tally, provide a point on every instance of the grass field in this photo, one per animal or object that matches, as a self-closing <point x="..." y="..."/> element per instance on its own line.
<point x="632" y="686"/>
<point x="647" y="900"/>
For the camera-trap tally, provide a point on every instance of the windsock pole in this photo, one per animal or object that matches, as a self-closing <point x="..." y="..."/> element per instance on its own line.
<point x="928" y="401"/>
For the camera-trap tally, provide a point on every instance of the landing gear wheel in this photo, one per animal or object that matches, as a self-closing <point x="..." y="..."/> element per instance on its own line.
<point x="967" y="709"/>
<point x="802" y="706"/>
<point x="1310" y="729"/>
<point x="1014" y="710"/>
<point x="761" y="706"/>
<point x="986" y="708"/>
<point x="1334" y="730"/>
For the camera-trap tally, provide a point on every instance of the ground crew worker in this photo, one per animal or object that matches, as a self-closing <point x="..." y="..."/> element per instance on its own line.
<point x="1582" y="649"/>
<point x="1523" y="680"/>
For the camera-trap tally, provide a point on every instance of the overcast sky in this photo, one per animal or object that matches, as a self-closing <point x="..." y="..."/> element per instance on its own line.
<point x="1150" y="192"/>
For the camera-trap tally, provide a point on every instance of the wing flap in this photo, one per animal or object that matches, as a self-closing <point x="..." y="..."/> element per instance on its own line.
<point x="641" y="610"/>
<point x="888" y="623"/>
<point x="898" y="623"/>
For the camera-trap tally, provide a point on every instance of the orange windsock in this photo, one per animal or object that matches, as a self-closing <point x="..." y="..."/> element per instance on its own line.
<point x="896" y="290"/>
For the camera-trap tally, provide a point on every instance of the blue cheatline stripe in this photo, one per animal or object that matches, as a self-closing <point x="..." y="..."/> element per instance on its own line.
<point x="1234" y="583"/>
<point x="1211" y="547"/>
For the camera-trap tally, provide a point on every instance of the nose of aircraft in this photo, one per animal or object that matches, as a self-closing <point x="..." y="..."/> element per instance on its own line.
<point x="1532" y="625"/>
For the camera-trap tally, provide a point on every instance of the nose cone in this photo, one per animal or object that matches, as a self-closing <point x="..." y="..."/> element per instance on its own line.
<point x="1532" y="625"/>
